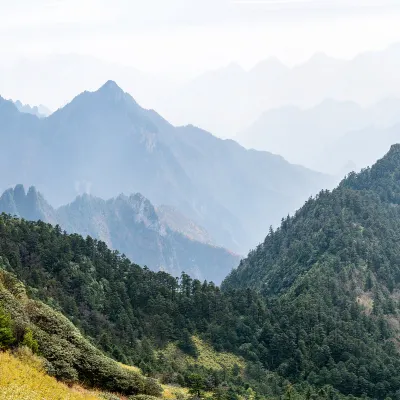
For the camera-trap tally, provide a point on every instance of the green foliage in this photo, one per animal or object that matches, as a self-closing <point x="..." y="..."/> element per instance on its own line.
<point x="187" y="345"/>
<point x="196" y="384"/>
<point x="30" y="342"/>
<point x="6" y="330"/>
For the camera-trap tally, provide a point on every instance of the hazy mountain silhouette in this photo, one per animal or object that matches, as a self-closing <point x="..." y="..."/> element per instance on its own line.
<point x="104" y="142"/>
<point x="40" y="111"/>
<point x="228" y="100"/>
<point x="314" y="137"/>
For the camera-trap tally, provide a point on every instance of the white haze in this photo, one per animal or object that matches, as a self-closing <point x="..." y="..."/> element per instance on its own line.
<point x="218" y="64"/>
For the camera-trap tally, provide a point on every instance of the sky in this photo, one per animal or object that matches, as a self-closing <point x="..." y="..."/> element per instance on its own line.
<point x="183" y="38"/>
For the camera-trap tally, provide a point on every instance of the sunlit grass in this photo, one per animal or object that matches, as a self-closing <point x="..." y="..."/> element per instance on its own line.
<point x="174" y="392"/>
<point x="207" y="357"/>
<point x="24" y="379"/>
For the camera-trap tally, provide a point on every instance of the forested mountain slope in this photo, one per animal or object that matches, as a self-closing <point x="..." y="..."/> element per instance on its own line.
<point x="129" y="224"/>
<point x="105" y="143"/>
<point x="355" y="226"/>
<point x="334" y="269"/>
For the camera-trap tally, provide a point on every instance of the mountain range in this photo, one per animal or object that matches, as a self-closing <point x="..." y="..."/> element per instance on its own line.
<point x="40" y="111"/>
<point x="131" y="225"/>
<point x="225" y="101"/>
<point x="228" y="100"/>
<point x="104" y="143"/>
<point x="320" y="137"/>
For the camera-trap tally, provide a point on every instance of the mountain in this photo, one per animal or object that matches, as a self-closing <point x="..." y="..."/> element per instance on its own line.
<point x="103" y="142"/>
<point x="228" y="100"/>
<point x="224" y="101"/>
<point x="170" y="216"/>
<point x="40" y="111"/>
<point x="129" y="224"/>
<point x="337" y="257"/>
<point x="339" y="229"/>
<point x="37" y="79"/>
<point x="315" y="137"/>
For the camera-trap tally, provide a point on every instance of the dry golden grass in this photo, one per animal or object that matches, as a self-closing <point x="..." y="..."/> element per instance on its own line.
<point x="23" y="379"/>
<point x="173" y="392"/>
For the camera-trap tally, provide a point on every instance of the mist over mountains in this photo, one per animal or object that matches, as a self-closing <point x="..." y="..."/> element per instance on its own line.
<point x="230" y="99"/>
<point x="224" y="101"/>
<point x="104" y="143"/>
<point x="334" y="136"/>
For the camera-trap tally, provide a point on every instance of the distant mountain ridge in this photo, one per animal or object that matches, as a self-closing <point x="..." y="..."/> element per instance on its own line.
<point x="129" y="224"/>
<point x="226" y="101"/>
<point x="105" y="143"/>
<point x="40" y="111"/>
<point x="316" y="137"/>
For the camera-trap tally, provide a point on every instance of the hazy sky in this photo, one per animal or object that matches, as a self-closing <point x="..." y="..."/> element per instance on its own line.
<point x="186" y="37"/>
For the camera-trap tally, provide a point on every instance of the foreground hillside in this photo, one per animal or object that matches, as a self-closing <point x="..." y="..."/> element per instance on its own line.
<point x="24" y="378"/>
<point x="131" y="225"/>
<point x="33" y="327"/>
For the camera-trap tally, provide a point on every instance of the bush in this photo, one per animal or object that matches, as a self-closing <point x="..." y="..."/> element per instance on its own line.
<point x="6" y="331"/>
<point x="152" y="388"/>
<point x="30" y="342"/>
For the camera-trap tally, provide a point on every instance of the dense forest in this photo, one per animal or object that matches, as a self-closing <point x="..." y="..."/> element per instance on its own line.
<point x="312" y="312"/>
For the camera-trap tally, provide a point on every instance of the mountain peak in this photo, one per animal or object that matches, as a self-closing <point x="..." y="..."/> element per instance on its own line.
<point x="111" y="87"/>
<point x="394" y="149"/>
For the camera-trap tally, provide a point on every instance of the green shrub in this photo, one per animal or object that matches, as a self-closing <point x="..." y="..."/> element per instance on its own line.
<point x="30" y="342"/>
<point x="6" y="331"/>
<point x="152" y="388"/>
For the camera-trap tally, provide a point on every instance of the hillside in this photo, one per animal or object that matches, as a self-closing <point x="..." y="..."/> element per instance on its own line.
<point x="104" y="143"/>
<point x="344" y="226"/>
<point x="131" y="225"/>
<point x="33" y="327"/>
<point x="333" y="270"/>
<point x="24" y="378"/>
<point x="178" y="222"/>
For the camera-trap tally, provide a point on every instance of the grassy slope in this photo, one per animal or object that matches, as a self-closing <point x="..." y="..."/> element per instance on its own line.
<point x="207" y="356"/>
<point x="23" y="379"/>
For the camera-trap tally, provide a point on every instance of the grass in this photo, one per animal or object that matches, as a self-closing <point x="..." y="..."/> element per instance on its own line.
<point x="24" y="379"/>
<point x="174" y="392"/>
<point x="207" y="357"/>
